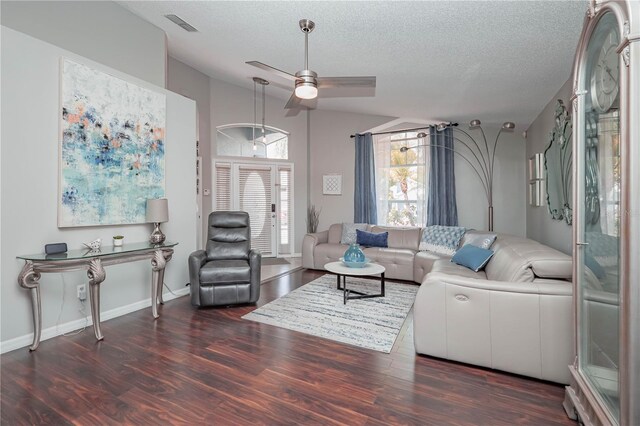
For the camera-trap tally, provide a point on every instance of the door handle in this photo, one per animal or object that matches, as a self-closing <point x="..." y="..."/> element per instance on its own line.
<point x="582" y="244"/>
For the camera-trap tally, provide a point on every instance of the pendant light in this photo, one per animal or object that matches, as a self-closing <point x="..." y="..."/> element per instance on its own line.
<point x="263" y="83"/>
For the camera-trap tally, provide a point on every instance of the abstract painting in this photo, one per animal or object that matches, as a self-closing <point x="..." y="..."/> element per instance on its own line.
<point x="112" y="148"/>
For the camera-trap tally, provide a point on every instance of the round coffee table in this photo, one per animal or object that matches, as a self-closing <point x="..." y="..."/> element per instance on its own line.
<point x="343" y="271"/>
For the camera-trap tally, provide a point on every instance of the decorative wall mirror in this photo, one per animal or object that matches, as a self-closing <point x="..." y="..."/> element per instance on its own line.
<point x="558" y="166"/>
<point x="248" y="140"/>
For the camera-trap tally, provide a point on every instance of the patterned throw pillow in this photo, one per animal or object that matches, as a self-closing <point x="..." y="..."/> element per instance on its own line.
<point x="480" y="239"/>
<point x="441" y="239"/>
<point x="349" y="232"/>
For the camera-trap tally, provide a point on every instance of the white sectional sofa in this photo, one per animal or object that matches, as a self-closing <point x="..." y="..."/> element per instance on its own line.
<point x="515" y="315"/>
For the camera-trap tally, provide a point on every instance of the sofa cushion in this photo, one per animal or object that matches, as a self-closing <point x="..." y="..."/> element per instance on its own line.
<point x="472" y="257"/>
<point x="390" y="255"/>
<point x="349" y="235"/>
<point x="335" y="233"/>
<point x="441" y="239"/>
<point x="372" y="239"/>
<point x="518" y="259"/>
<point x="401" y="238"/>
<point x="397" y="262"/>
<point x="225" y="272"/>
<point x="325" y="253"/>
<point x="423" y="262"/>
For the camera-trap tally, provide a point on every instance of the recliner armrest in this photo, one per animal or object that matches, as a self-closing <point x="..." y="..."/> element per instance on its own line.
<point x="309" y="244"/>
<point x="196" y="260"/>
<point x="255" y="262"/>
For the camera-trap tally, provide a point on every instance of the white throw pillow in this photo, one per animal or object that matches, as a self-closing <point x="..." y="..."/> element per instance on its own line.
<point x="349" y="232"/>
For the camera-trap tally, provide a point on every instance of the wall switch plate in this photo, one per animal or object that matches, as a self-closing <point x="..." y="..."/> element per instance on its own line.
<point x="82" y="292"/>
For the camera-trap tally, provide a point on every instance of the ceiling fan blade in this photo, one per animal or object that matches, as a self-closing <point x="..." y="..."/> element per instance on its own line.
<point x="269" y="68"/>
<point x="295" y="105"/>
<point x="330" y="82"/>
<point x="293" y="102"/>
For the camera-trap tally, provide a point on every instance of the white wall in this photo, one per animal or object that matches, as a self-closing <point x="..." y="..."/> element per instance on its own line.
<point x="99" y="30"/>
<point x="29" y="160"/>
<point x="183" y="79"/>
<point x="540" y="226"/>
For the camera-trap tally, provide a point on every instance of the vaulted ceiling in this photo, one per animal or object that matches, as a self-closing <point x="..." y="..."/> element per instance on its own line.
<point x="434" y="60"/>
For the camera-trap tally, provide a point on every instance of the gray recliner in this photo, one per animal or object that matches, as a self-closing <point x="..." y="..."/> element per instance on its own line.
<point x="228" y="272"/>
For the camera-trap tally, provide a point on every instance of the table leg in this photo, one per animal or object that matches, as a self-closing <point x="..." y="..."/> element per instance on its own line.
<point x="344" y="286"/>
<point x="158" y="264"/>
<point x="96" y="274"/>
<point x="382" y="283"/>
<point x="28" y="279"/>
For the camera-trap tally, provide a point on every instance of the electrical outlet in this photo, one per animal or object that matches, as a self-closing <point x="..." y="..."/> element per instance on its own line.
<point x="82" y="292"/>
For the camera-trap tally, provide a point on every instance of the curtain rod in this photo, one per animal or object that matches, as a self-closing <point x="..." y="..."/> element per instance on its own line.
<point x="405" y="130"/>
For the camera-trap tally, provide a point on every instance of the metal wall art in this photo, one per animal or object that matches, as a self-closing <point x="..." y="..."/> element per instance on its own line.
<point x="558" y="158"/>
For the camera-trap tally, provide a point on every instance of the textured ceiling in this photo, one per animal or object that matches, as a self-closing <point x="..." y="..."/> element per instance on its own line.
<point x="435" y="60"/>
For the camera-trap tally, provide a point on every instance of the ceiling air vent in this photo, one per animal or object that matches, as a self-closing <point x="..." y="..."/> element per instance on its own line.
<point x="181" y="23"/>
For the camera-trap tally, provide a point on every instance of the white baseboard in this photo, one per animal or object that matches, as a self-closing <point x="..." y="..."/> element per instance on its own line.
<point x="48" y="333"/>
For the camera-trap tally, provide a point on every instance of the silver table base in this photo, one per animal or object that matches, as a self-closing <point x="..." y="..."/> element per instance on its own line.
<point x="30" y="275"/>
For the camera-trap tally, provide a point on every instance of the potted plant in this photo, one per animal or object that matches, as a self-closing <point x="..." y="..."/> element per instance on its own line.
<point x="118" y="240"/>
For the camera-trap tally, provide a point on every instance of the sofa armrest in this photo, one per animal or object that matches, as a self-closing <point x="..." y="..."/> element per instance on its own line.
<point x="196" y="260"/>
<point x="524" y="328"/>
<point x="550" y="287"/>
<point x="255" y="262"/>
<point x="309" y="244"/>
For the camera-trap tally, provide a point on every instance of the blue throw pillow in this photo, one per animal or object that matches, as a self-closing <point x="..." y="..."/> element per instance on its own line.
<point x="371" y="239"/>
<point x="474" y="258"/>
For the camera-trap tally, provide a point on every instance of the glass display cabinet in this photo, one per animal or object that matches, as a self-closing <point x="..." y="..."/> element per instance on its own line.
<point x="605" y="385"/>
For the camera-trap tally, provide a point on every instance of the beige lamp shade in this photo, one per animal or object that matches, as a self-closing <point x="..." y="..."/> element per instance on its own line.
<point x="157" y="210"/>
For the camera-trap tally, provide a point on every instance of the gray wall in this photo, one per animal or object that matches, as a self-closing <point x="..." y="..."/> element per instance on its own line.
<point x="102" y="31"/>
<point x="30" y="136"/>
<point x="189" y="82"/>
<point x="333" y="152"/>
<point x="234" y="104"/>
<point x="540" y="226"/>
<point x="509" y="199"/>
<point x="327" y="132"/>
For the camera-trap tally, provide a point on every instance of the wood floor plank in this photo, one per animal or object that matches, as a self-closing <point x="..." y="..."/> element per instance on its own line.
<point x="209" y="366"/>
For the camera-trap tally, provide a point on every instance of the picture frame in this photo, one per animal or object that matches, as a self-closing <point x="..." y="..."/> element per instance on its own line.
<point x="332" y="184"/>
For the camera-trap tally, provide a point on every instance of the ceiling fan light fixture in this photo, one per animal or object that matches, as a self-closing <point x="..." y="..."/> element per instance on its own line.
<point x="306" y="90"/>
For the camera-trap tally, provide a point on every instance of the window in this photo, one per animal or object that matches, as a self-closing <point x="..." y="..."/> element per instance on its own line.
<point x="401" y="179"/>
<point x="237" y="140"/>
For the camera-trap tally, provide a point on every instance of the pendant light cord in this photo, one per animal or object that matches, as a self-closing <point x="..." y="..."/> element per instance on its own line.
<point x="263" y="115"/>
<point x="255" y="114"/>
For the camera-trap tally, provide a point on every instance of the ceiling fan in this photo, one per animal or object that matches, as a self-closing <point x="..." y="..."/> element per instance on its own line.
<point x="309" y="86"/>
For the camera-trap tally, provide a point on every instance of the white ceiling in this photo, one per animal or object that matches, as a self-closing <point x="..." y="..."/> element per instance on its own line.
<point x="434" y="60"/>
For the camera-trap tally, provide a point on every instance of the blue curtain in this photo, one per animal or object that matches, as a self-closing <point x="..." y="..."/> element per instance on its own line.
<point x="441" y="206"/>
<point x="365" y="208"/>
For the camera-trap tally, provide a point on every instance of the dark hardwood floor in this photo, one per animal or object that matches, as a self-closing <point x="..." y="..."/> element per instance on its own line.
<point x="209" y="366"/>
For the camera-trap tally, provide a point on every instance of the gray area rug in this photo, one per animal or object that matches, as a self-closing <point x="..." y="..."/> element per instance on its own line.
<point x="317" y="308"/>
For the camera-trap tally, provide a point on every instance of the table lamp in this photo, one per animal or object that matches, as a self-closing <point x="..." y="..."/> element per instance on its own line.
<point x="157" y="212"/>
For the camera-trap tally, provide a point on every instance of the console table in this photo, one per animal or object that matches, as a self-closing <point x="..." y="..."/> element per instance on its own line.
<point x="93" y="261"/>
